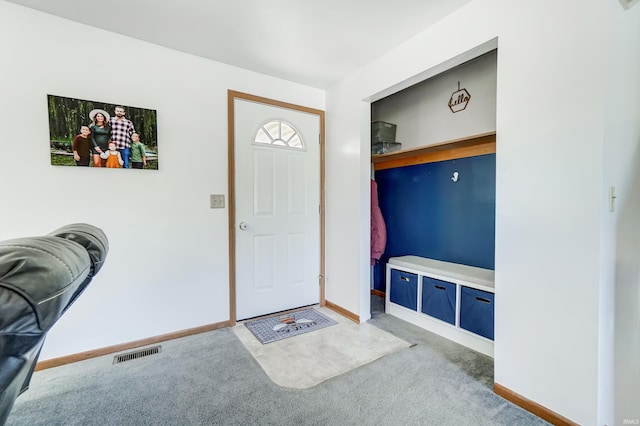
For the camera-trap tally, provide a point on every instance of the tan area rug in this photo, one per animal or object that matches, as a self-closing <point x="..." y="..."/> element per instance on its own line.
<point x="308" y="359"/>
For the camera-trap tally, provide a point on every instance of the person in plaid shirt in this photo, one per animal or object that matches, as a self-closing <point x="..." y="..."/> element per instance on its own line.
<point x="121" y="131"/>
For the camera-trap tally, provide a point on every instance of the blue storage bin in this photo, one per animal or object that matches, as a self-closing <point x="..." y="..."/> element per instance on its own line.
<point x="404" y="289"/>
<point x="476" y="311"/>
<point x="439" y="299"/>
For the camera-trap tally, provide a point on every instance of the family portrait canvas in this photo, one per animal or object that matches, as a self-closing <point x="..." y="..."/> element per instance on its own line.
<point x="98" y="134"/>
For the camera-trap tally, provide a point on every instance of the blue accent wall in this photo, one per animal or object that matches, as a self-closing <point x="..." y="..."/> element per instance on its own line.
<point x="428" y="214"/>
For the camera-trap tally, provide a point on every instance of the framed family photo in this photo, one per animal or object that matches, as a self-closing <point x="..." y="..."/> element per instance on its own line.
<point x="85" y="133"/>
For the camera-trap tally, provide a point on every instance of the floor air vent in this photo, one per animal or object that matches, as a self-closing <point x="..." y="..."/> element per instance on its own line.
<point x="137" y="354"/>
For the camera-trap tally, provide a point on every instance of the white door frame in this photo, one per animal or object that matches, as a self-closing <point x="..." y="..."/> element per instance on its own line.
<point x="231" y="96"/>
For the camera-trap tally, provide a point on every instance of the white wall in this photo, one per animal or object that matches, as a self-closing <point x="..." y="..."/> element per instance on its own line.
<point x="421" y="112"/>
<point x="621" y="295"/>
<point x="167" y="269"/>
<point x="550" y="190"/>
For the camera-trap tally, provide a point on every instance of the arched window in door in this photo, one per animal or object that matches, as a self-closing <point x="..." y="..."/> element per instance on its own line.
<point x="279" y="133"/>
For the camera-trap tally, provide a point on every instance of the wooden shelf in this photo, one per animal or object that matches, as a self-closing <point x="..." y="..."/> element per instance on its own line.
<point x="470" y="146"/>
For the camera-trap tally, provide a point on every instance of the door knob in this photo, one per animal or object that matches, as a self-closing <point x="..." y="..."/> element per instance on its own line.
<point x="243" y="226"/>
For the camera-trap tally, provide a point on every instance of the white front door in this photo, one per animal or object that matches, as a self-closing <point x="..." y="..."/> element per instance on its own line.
<point x="277" y="208"/>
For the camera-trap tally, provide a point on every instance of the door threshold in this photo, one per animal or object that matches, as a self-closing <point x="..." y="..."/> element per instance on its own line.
<point x="275" y="314"/>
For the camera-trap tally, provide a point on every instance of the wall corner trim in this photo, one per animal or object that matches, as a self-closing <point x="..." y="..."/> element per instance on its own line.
<point x="342" y="311"/>
<point x="533" y="407"/>
<point x="378" y="293"/>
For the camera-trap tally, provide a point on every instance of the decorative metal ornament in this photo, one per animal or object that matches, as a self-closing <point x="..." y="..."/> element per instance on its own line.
<point x="459" y="100"/>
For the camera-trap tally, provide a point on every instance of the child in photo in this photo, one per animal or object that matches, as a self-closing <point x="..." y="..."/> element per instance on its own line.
<point x="81" y="147"/>
<point x="112" y="157"/>
<point x="138" y="155"/>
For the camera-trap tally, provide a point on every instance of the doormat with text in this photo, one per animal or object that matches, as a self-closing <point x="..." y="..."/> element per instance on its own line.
<point x="280" y="327"/>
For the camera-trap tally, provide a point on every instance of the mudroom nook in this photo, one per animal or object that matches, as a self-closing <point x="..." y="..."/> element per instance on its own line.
<point x="435" y="179"/>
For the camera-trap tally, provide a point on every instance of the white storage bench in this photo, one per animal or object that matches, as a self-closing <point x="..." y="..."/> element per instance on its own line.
<point x="453" y="300"/>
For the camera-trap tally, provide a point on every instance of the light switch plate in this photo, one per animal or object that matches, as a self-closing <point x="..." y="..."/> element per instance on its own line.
<point x="612" y="198"/>
<point x="216" y="201"/>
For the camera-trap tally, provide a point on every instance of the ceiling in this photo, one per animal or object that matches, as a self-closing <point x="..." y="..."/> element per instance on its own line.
<point x="315" y="43"/>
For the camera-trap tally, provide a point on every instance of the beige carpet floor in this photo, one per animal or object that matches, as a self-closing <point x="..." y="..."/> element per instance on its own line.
<point x="305" y="360"/>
